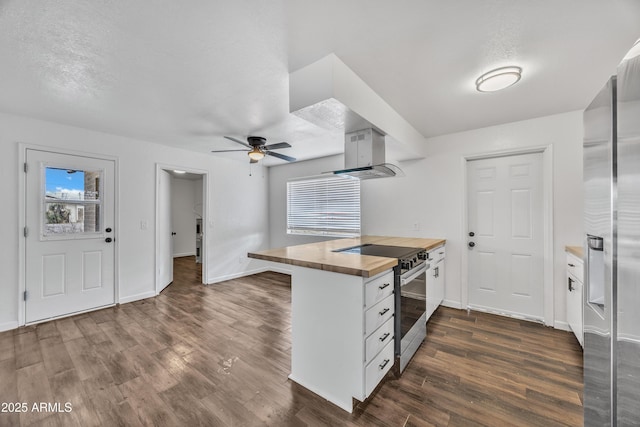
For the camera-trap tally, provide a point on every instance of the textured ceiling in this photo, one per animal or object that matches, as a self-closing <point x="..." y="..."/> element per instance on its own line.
<point x="185" y="74"/>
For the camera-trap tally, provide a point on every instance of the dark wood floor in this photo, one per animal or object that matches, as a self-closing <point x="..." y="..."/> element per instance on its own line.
<point x="219" y="355"/>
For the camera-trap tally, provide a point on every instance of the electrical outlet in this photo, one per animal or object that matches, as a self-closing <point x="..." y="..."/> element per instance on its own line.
<point x="416" y="226"/>
<point x="144" y="225"/>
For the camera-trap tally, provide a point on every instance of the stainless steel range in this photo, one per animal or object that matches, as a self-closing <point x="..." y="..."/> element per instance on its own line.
<point x="410" y="296"/>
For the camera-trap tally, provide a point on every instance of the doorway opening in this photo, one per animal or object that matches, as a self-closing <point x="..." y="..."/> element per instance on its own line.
<point x="181" y="219"/>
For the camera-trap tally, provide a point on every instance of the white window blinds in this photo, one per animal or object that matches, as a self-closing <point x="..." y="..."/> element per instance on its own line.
<point x="326" y="206"/>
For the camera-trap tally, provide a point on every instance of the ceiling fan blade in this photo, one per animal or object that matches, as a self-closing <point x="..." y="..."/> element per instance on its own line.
<point x="226" y="151"/>
<point x="277" y="146"/>
<point x="280" y="156"/>
<point x="238" y="141"/>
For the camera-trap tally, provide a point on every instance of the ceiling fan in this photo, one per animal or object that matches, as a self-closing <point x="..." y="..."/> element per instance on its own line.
<point x="257" y="148"/>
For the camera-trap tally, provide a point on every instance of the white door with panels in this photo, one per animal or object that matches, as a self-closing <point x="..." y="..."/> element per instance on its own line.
<point x="505" y="235"/>
<point x="70" y="240"/>
<point x="164" y="258"/>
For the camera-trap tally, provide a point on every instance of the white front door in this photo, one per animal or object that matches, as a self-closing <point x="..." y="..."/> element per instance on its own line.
<point x="70" y="234"/>
<point x="505" y="235"/>
<point x="165" y="233"/>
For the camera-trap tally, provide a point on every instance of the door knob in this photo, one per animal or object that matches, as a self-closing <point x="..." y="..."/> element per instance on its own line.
<point x="108" y="230"/>
<point x="471" y="234"/>
<point x="471" y="244"/>
<point x="108" y="240"/>
<point x="173" y="234"/>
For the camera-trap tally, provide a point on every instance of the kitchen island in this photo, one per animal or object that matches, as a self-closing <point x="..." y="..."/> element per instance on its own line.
<point x="342" y="315"/>
<point x="321" y="255"/>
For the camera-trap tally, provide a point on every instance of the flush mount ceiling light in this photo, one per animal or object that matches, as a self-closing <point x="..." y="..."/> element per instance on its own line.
<point x="179" y="171"/>
<point x="498" y="79"/>
<point x="256" y="154"/>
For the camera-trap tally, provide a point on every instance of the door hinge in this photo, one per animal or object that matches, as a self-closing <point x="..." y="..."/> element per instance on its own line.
<point x="25" y="232"/>
<point x="24" y="295"/>
<point x="26" y="168"/>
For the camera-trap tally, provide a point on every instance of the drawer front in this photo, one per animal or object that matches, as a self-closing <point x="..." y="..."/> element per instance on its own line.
<point x="378" y="340"/>
<point x="575" y="266"/>
<point x="378" y="368"/>
<point x="378" y="289"/>
<point x="378" y="315"/>
<point x="439" y="253"/>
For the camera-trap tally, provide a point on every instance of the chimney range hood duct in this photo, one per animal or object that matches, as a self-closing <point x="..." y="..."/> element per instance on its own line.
<point x="364" y="156"/>
<point x="330" y="95"/>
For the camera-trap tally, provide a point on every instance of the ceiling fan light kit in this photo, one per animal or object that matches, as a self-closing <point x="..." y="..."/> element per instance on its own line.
<point x="256" y="154"/>
<point x="498" y="79"/>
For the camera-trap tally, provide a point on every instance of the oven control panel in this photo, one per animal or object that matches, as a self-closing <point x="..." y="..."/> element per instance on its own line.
<point x="411" y="262"/>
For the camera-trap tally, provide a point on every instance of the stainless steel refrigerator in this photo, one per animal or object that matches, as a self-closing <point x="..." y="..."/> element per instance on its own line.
<point x="611" y="309"/>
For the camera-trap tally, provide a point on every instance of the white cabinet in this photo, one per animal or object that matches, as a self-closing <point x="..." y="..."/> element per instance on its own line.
<point x="575" y="274"/>
<point x="435" y="280"/>
<point x="342" y="333"/>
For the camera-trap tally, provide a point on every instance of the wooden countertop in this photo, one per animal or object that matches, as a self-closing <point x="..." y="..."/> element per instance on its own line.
<point x="575" y="250"/>
<point x="321" y="256"/>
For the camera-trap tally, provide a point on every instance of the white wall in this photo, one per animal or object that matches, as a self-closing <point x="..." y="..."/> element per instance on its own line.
<point x="238" y="220"/>
<point x="431" y="193"/>
<point x="183" y="215"/>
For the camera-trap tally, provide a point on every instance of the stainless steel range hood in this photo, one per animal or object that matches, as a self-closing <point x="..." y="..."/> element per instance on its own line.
<point x="364" y="156"/>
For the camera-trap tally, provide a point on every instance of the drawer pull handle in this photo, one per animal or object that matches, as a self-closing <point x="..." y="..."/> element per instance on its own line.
<point x="571" y="265"/>
<point x="381" y="287"/>
<point x="384" y="337"/>
<point x="383" y="364"/>
<point x="383" y="312"/>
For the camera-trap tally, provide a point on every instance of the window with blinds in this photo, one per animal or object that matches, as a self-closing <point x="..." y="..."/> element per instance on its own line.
<point x="324" y="206"/>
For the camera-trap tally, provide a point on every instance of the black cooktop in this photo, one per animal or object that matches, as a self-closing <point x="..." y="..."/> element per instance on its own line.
<point x="381" y="250"/>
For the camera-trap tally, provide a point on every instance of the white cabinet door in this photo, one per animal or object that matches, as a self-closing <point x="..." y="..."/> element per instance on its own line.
<point x="432" y="292"/>
<point x="439" y="282"/>
<point x="435" y="280"/>
<point x="574" y="307"/>
<point x="574" y="296"/>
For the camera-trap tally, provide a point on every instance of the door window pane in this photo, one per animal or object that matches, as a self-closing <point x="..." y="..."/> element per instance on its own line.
<point x="71" y="201"/>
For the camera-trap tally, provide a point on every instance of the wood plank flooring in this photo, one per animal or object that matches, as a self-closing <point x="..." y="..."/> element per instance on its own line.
<point x="220" y="356"/>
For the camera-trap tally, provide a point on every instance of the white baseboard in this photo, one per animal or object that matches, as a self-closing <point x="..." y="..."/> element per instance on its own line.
<point x="184" y="254"/>
<point x="452" y="304"/>
<point x="131" y="298"/>
<point x="561" y="325"/>
<point x="7" y="326"/>
<point x="247" y="273"/>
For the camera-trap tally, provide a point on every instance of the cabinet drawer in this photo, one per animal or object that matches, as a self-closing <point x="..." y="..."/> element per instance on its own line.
<point x="575" y="267"/>
<point x="378" y="314"/>
<point x="378" y="289"/>
<point x="378" y="368"/>
<point x="379" y="339"/>
<point x="437" y="254"/>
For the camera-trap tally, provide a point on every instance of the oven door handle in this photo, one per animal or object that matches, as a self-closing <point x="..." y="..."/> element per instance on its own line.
<point x="411" y="274"/>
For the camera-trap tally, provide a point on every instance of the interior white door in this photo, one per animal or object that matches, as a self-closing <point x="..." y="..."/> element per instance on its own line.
<point x="505" y="235"/>
<point x="165" y="240"/>
<point x="70" y="240"/>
